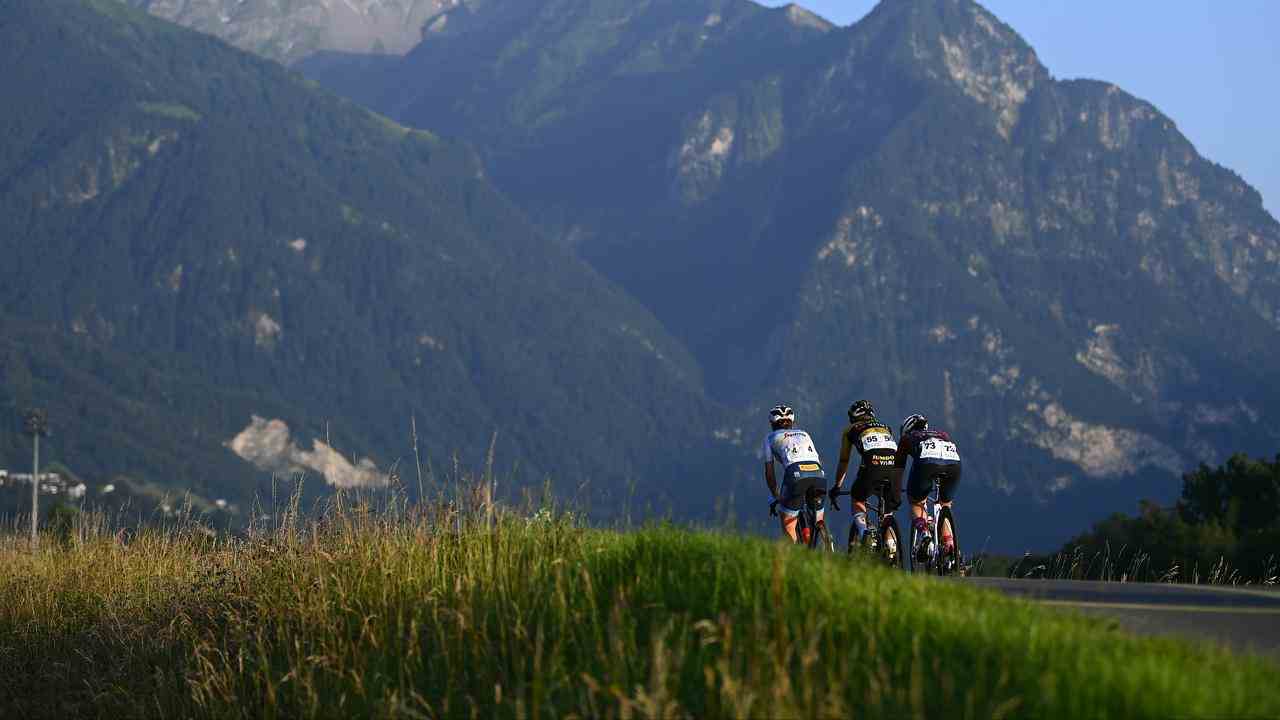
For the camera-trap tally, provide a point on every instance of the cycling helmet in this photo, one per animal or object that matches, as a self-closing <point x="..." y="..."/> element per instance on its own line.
<point x="913" y="423"/>
<point x="863" y="409"/>
<point x="780" y="414"/>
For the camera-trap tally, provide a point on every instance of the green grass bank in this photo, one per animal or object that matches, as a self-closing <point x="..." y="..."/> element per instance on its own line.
<point x="415" y="616"/>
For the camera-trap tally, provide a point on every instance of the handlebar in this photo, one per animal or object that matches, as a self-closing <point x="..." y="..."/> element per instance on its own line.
<point x="835" y="497"/>
<point x="841" y="493"/>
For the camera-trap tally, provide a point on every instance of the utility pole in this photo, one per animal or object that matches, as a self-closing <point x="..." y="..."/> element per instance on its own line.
<point x="36" y="422"/>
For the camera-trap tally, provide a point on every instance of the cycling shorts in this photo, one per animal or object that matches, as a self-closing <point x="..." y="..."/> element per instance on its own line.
<point x="922" y="475"/>
<point x="796" y="482"/>
<point x="870" y="477"/>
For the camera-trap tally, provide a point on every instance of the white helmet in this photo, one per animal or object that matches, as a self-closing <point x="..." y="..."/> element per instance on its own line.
<point x="781" y="413"/>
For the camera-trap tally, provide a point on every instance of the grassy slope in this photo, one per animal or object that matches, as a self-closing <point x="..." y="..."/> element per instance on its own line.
<point x="359" y="617"/>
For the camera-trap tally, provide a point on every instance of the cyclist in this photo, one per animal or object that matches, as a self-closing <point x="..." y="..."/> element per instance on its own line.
<point x="877" y="453"/>
<point x="802" y="469"/>
<point x="935" y="456"/>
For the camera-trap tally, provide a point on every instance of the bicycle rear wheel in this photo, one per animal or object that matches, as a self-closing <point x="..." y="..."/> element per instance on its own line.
<point x="822" y="538"/>
<point x="949" y="561"/>
<point x="919" y="542"/>
<point x="891" y="543"/>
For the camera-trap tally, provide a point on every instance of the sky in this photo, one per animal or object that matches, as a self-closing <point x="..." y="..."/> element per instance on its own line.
<point x="1213" y="66"/>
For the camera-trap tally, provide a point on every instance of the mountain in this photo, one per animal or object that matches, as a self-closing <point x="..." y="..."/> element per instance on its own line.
<point x="214" y="270"/>
<point x="288" y="30"/>
<point x="911" y="209"/>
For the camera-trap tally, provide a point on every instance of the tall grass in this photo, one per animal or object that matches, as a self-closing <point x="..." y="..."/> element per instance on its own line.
<point x="443" y="611"/>
<point x="1126" y="564"/>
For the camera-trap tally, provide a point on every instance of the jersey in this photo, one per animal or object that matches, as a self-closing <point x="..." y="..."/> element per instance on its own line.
<point x="931" y="447"/>
<point x="790" y="446"/>
<point x="873" y="441"/>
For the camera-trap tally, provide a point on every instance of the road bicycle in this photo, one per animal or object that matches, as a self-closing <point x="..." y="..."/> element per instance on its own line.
<point x="883" y="538"/>
<point x="927" y="554"/>
<point x="810" y="531"/>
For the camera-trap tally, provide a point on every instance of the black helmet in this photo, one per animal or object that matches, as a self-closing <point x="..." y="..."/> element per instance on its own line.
<point x="781" y="414"/>
<point x="913" y="423"/>
<point x="862" y="409"/>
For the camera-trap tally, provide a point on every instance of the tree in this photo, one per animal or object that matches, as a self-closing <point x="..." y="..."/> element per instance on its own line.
<point x="1225" y="513"/>
<point x="1242" y="495"/>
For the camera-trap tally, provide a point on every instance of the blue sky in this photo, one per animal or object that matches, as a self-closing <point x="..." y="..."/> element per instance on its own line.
<point x="1213" y="66"/>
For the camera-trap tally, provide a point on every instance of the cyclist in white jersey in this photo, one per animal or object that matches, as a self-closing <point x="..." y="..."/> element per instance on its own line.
<point x="793" y="449"/>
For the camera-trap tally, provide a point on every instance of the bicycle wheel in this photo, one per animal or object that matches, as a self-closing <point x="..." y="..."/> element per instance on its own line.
<point x="949" y="562"/>
<point x="825" y="542"/>
<point x="919" y="541"/>
<point x="891" y="543"/>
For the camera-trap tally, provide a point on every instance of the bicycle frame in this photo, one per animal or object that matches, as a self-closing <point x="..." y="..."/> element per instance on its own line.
<point x="878" y="520"/>
<point x="808" y="519"/>
<point x="933" y="510"/>
<point x="881" y="517"/>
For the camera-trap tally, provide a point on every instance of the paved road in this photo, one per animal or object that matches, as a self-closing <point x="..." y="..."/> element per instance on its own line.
<point x="1244" y="619"/>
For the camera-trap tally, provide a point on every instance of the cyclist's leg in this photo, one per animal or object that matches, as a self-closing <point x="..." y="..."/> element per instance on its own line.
<point x="895" y="492"/>
<point x="947" y="487"/>
<point x="789" y="507"/>
<point x="789" y="522"/>
<point x="819" y="479"/>
<point x="919" y="485"/>
<point x="890" y="490"/>
<point x="859" y="493"/>
<point x="861" y="489"/>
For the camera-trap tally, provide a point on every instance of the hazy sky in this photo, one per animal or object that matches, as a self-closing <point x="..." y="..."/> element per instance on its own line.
<point x="1213" y="66"/>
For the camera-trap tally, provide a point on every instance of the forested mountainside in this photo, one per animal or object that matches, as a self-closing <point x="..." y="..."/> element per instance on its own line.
<point x="289" y="30"/>
<point x="214" y="270"/>
<point x="215" y="266"/>
<point x="911" y="209"/>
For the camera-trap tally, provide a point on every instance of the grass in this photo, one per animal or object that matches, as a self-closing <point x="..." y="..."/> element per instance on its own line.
<point x="426" y="612"/>
<point x="1124" y="564"/>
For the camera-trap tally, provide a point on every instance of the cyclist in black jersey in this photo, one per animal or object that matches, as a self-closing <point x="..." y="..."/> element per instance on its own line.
<point x="873" y="441"/>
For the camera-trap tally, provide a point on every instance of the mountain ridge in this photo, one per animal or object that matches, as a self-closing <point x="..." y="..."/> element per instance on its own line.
<point x="917" y="183"/>
<point x="289" y="31"/>
<point x="734" y="207"/>
<point x="270" y="255"/>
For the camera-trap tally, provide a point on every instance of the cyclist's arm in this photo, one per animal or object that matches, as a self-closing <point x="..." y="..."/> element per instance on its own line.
<point x="846" y="449"/>
<point x="766" y="454"/>
<point x="904" y="451"/>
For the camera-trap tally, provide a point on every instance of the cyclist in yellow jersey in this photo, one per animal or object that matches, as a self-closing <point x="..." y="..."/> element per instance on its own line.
<point x="873" y="441"/>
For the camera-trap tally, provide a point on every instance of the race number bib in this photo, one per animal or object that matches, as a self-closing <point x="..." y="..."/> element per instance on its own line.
<point x="878" y="440"/>
<point x="935" y="449"/>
